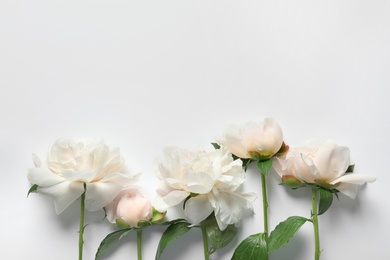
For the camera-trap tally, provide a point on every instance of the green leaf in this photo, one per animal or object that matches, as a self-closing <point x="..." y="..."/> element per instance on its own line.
<point x="32" y="189"/>
<point x="253" y="247"/>
<point x="326" y="199"/>
<point x="175" y="230"/>
<point x="350" y="168"/>
<point x="284" y="231"/>
<point x="216" y="146"/>
<point x="109" y="241"/>
<point x="218" y="238"/>
<point x="264" y="166"/>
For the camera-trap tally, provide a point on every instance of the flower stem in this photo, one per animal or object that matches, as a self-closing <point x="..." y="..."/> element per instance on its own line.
<point x="265" y="204"/>
<point x="139" y="244"/>
<point x="205" y="243"/>
<point x="314" y="219"/>
<point x="81" y="227"/>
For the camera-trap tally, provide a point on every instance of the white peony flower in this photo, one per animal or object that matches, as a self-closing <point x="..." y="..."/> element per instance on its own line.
<point x="72" y="165"/>
<point x="209" y="180"/>
<point x="258" y="141"/>
<point x="130" y="206"/>
<point x="322" y="164"/>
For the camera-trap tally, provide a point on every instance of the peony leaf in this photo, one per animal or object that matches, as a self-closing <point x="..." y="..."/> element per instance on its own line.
<point x="326" y="199"/>
<point x="264" y="166"/>
<point x="284" y="231"/>
<point x="175" y="230"/>
<point x="216" y="146"/>
<point x="109" y="241"/>
<point x="253" y="247"/>
<point x="350" y="168"/>
<point x="33" y="188"/>
<point x="218" y="238"/>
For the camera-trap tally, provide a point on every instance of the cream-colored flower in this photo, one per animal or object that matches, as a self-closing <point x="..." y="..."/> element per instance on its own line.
<point x="72" y="165"/>
<point x="209" y="180"/>
<point x="324" y="165"/>
<point x="258" y="141"/>
<point x="130" y="206"/>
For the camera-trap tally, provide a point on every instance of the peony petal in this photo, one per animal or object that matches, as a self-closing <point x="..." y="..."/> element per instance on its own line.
<point x="64" y="194"/>
<point x="197" y="182"/>
<point x="234" y="142"/>
<point x="100" y="194"/>
<point x="197" y="209"/>
<point x="43" y="177"/>
<point x="305" y="169"/>
<point x="171" y="199"/>
<point x="348" y="189"/>
<point x="332" y="161"/>
<point x="83" y="176"/>
<point x="230" y="206"/>
<point x="354" y="179"/>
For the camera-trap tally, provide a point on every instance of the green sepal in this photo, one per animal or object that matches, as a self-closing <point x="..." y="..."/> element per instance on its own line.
<point x="350" y="168"/>
<point x="253" y="247"/>
<point x="284" y="231"/>
<point x="218" y="238"/>
<point x="110" y="240"/>
<point x="174" y="231"/>
<point x="157" y="216"/>
<point x="33" y="188"/>
<point x="326" y="199"/>
<point x="292" y="182"/>
<point x="283" y="150"/>
<point x="121" y="224"/>
<point x="264" y="166"/>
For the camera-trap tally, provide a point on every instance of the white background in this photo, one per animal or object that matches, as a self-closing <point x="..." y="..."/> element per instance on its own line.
<point x="146" y="74"/>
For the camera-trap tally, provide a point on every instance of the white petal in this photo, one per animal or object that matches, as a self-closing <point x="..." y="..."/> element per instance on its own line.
<point x="348" y="189"/>
<point x="331" y="161"/>
<point x="354" y="179"/>
<point x="64" y="194"/>
<point x="36" y="160"/>
<point x="305" y="169"/>
<point x="100" y="194"/>
<point x="197" y="182"/>
<point x="83" y="176"/>
<point x="43" y="177"/>
<point x="171" y="199"/>
<point x="197" y="209"/>
<point x="230" y="206"/>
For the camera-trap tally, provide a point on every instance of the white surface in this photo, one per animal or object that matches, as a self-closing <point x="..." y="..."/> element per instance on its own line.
<point x="146" y="74"/>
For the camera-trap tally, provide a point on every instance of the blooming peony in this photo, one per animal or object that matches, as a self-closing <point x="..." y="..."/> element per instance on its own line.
<point x="258" y="141"/>
<point x="209" y="180"/>
<point x="70" y="166"/>
<point x="130" y="206"/>
<point x="324" y="165"/>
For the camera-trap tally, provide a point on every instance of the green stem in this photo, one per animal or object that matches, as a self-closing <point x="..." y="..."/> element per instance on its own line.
<point x="205" y="243"/>
<point x="265" y="204"/>
<point x="139" y="244"/>
<point x="81" y="227"/>
<point x="314" y="219"/>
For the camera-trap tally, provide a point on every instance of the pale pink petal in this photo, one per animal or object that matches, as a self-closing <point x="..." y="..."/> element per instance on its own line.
<point x="197" y="209"/>
<point x="171" y="199"/>
<point x="234" y="142"/>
